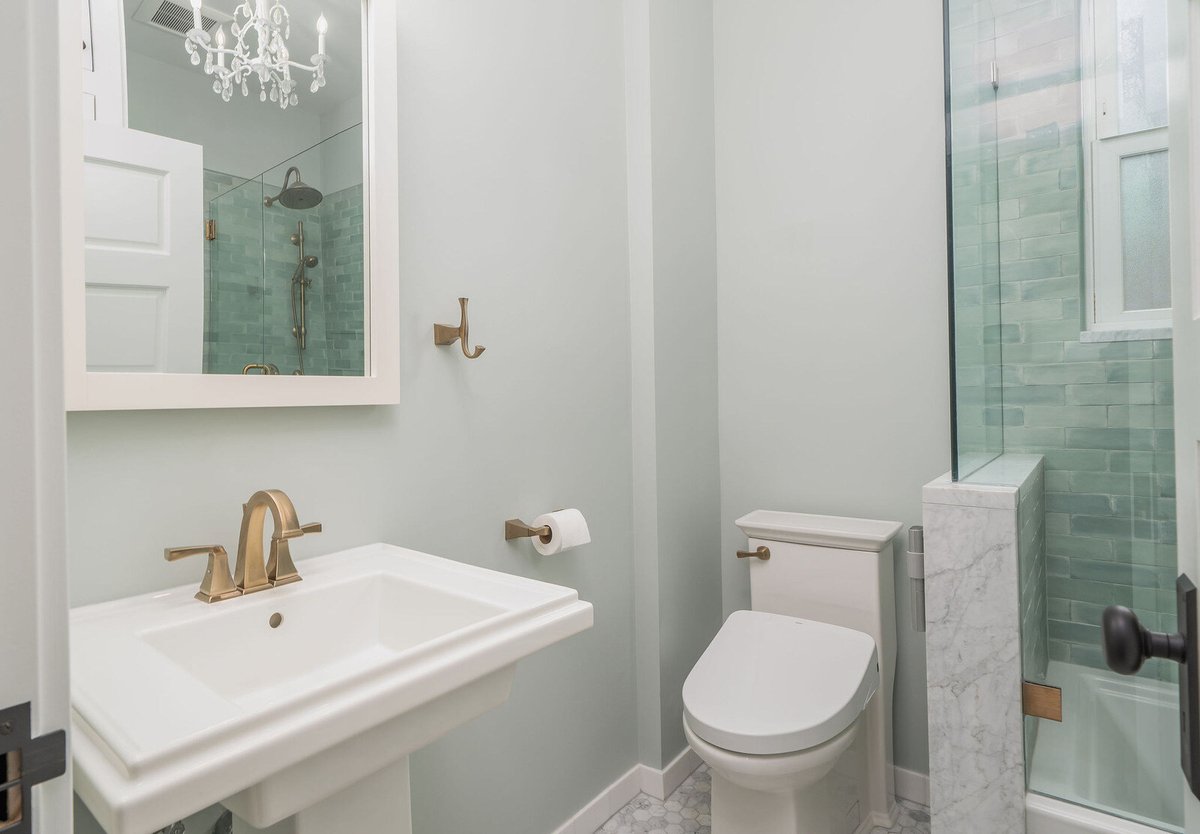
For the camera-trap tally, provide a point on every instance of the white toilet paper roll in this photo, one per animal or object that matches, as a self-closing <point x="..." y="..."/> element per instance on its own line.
<point x="568" y="529"/>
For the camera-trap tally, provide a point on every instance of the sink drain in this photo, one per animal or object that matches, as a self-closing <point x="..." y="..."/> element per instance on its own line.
<point x="276" y="619"/>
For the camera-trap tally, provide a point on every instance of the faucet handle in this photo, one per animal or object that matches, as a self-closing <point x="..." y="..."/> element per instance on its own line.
<point x="281" y="570"/>
<point x="218" y="582"/>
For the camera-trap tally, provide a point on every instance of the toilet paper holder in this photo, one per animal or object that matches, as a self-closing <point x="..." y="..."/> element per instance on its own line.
<point x="514" y="528"/>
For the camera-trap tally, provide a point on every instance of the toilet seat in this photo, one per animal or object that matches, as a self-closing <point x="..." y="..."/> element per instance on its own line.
<point x="770" y="684"/>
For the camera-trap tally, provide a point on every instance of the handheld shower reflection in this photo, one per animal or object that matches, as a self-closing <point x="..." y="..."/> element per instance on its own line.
<point x="297" y="195"/>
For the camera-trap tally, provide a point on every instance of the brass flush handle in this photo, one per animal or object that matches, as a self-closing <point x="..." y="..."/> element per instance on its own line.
<point x="218" y="582"/>
<point x="763" y="553"/>
<point x="447" y="334"/>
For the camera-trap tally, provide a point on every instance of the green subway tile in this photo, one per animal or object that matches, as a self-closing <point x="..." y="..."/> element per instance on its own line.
<point x="1077" y="460"/>
<point x="1037" y="353"/>
<point x="1034" y="438"/>
<point x="1078" y="502"/>
<point x="1133" y="506"/>
<point x="1137" y="416"/>
<point x="1088" y="655"/>
<point x="1057" y="565"/>
<point x="1030" y="270"/>
<point x="1032" y="225"/>
<point x="1060" y="650"/>
<point x="1163" y="349"/>
<point x="1099" y="592"/>
<point x="1040" y="184"/>
<point x="1111" y="483"/>
<point x="1129" y="371"/>
<point x="1110" y="394"/>
<point x="1044" y="247"/>
<point x="1058" y="524"/>
<point x="1096" y="351"/>
<point x="1088" y="613"/>
<point x="1075" y="632"/>
<point x="1061" y="287"/>
<point x="1115" y="439"/>
<point x="1054" y="200"/>
<point x="1056" y="481"/>
<point x="1050" y="331"/>
<point x="1063" y="373"/>
<point x="1080" y="547"/>
<point x="1094" y="416"/>
<point x="1116" y="528"/>
<point x="1035" y="395"/>
<point x="1141" y="462"/>
<point x="1164" y="393"/>
<point x="1058" y="609"/>
<point x="1143" y="576"/>
<point x="1028" y="311"/>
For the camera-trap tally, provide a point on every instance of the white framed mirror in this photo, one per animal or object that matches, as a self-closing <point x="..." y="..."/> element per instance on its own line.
<point x="230" y="204"/>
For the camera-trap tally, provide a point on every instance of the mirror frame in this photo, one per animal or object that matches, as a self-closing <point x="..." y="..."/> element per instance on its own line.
<point x="98" y="391"/>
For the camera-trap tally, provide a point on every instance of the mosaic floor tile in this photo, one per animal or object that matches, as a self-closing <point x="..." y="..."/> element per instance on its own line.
<point x="687" y="812"/>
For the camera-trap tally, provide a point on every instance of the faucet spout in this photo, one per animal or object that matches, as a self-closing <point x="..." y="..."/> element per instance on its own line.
<point x="251" y="571"/>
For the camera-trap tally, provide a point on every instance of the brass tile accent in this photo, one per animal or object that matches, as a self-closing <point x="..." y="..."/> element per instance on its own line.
<point x="1042" y="701"/>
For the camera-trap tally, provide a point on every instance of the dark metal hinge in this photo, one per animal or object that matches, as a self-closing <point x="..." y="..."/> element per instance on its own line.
<point x="24" y="762"/>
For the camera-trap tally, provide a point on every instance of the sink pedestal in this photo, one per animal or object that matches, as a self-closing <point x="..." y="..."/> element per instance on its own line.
<point x="379" y="804"/>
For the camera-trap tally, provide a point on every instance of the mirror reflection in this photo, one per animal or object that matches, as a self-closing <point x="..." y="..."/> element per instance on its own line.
<point x="225" y="204"/>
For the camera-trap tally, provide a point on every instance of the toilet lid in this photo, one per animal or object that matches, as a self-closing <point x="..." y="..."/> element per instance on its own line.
<point x="770" y="683"/>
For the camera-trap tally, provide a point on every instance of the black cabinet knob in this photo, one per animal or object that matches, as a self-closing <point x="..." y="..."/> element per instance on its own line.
<point x="1128" y="644"/>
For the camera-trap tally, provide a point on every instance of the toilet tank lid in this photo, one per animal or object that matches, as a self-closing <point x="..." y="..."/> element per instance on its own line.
<point x="820" y="530"/>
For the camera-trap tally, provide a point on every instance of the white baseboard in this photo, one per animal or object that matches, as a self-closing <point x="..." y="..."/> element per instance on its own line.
<point x="612" y="799"/>
<point x="660" y="784"/>
<point x="912" y="785"/>
<point x="639" y="779"/>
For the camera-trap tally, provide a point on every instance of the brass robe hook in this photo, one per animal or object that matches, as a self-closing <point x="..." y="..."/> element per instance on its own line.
<point x="446" y="334"/>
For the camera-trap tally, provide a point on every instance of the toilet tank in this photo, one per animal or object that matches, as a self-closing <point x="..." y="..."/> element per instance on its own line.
<point x="828" y="568"/>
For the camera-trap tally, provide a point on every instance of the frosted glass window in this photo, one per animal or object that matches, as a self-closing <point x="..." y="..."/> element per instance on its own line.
<point x="1141" y="65"/>
<point x="1145" y="235"/>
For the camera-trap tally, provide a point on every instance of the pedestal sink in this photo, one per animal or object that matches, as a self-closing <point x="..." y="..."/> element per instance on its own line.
<point x="297" y="706"/>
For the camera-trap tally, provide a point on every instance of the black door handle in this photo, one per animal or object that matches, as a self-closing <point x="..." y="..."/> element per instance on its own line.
<point x="1128" y="644"/>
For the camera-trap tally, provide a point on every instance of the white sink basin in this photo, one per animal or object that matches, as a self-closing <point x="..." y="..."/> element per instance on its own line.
<point x="178" y="705"/>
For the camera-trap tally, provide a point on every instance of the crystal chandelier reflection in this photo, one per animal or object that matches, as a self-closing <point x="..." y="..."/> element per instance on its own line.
<point x="268" y="21"/>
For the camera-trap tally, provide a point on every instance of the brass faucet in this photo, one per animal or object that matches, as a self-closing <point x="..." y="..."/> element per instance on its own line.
<point x="253" y="573"/>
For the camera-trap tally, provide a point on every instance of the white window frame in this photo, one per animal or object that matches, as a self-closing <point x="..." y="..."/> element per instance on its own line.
<point x="1103" y="150"/>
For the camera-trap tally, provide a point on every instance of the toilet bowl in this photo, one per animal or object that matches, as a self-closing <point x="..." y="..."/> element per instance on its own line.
<point x="774" y="706"/>
<point x="791" y="703"/>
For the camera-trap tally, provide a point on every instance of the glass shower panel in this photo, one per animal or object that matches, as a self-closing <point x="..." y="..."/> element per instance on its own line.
<point x="975" y="236"/>
<point x="1031" y="379"/>
<point x="233" y="328"/>
<point x="314" y="291"/>
<point x="286" y="270"/>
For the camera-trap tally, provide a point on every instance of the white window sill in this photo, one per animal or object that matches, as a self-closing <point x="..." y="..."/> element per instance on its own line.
<point x="1126" y="334"/>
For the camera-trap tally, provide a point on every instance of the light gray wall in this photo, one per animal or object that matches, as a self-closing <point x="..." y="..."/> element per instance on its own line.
<point x="669" y="74"/>
<point x="832" y="276"/>
<point x="512" y="148"/>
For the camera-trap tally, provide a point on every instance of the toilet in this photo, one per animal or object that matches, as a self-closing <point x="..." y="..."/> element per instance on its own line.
<point x="790" y="705"/>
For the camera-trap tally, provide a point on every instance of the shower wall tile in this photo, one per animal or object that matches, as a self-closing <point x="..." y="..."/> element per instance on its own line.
<point x="248" y="271"/>
<point x="986" y="608"/>
<point x="1100" y="412"/>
